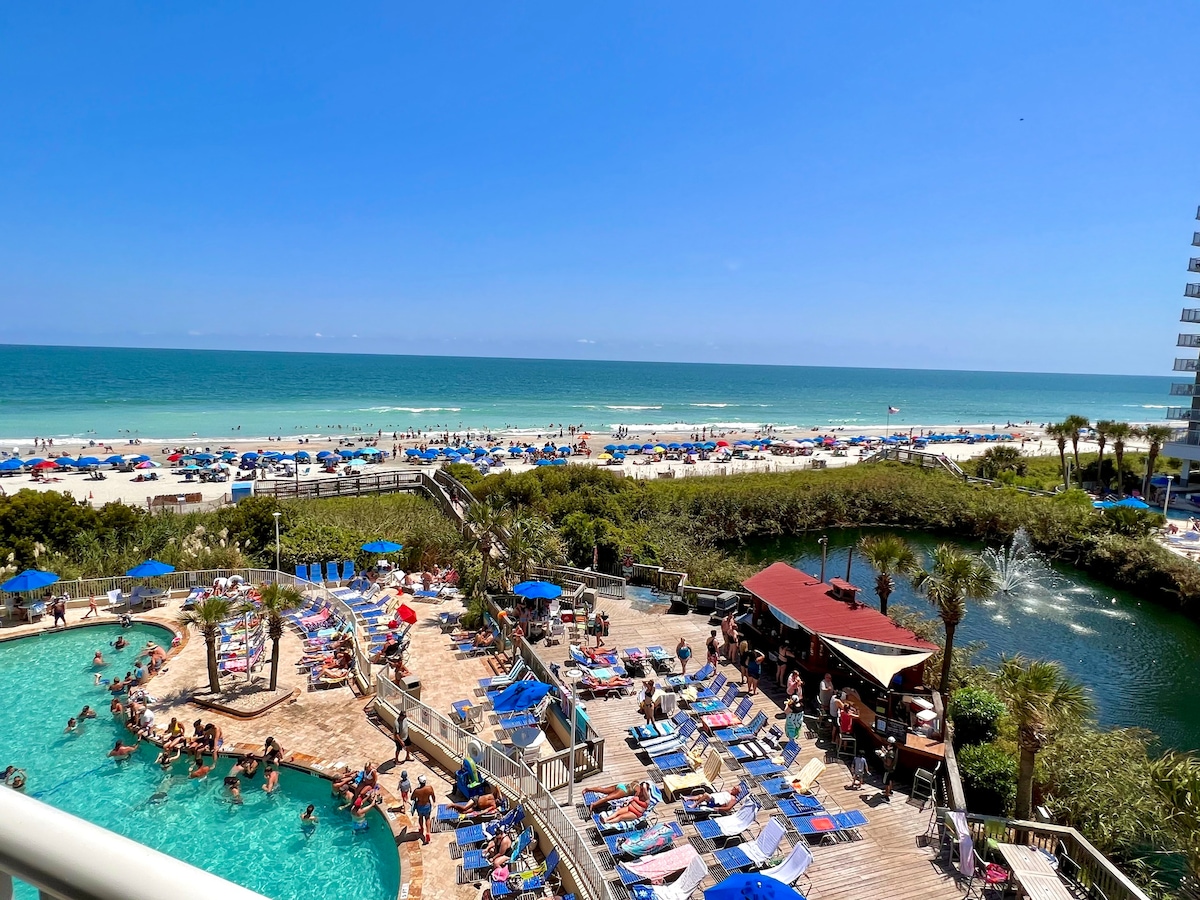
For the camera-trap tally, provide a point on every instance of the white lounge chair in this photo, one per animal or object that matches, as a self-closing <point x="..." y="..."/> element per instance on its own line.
<point x="680" y="889"/>
<point x="720" y="827"/>
<point x="794" y="867"/>
<point x="756" y="852"/>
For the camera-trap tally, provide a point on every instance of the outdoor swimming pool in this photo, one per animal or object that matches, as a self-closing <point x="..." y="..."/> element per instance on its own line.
<point x="47" y="678"/>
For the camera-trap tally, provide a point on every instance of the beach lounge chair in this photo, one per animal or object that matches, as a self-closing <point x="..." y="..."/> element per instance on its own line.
<point x="499" y="682"/>
<point x="697" y="810"/>
<point x="728" y="718"/>
<point x="721" y="828"/>
<point x="635" y="660"/>
<point x="801" y="784"/>
<point x="793" y="868"/>
<point x="721" y="704"/>
<point x="747" y="732"/>
<point x="709" y="691"/>
<point x="755" y="852"/>
<point x="683" y="758"/>
<point x="475" y="859"/>
<point x="302" y="572"/>
<point x="662" y="661"/>
<point x="751" y="750"/>
<point x="656" y="730"/>
<point x="595" y="687"/>
<point x="703" y="674"/>
<point x="761" y="768"/>
<point x="690" y="782"/>
<point x="532" y="882"/>
<point x="829" y="826"/>
<point x="348" y="570"/>
<point x="681" y="888"/>
<point x="799" y="805"/>
<point x="685" y="732"/>
<point x="484" y="831"/>
<point x="446" y="815"/>
<point x="637" y="844"/>
<point x="659" y="866"/>
<point x="601" y="661"/>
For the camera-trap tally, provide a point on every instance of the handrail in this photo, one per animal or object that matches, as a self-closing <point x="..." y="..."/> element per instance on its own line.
<point x="67" y="857"/>
<point x="514" y="779"/>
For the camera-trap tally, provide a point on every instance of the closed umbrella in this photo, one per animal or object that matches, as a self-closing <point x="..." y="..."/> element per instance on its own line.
<point x="29" y="580"/>
<point x="538" y="590"/>
<point x="149" y="569"/>
<point x="521" y="695"/>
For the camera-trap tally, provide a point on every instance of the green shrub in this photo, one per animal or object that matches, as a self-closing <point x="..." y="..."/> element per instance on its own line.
<point x="976" y="713"/>
<point x="989" y="777"/>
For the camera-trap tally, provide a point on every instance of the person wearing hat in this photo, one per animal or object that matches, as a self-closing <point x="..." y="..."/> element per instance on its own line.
<point x="891" y="755"/>
<point x="422" y="804"/>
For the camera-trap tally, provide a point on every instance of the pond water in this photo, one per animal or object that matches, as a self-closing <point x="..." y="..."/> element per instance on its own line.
<point x="48" y="678"/>
<point x="1138" y="659"/>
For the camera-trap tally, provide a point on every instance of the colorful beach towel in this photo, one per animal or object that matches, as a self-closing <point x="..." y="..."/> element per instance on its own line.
<point x="657" y="868"/>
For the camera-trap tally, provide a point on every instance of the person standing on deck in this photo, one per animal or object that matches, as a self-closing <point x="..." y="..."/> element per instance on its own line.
<point x="684" y="654"/>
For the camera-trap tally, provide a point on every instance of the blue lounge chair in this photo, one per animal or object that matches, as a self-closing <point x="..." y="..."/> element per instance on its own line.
<point x="761" y="768"/>
<point x="756" y="852"/>
<point x="751" y="750"/>
<point x="800" y="805"/>
<point x="533" y="882"/>
<point x="630" y="825"/>
<point x="475" y="859"/>
<point x="477" y="834"/>
<point x="679" y="760"/>
<point x="661" y="659"/>
<point x="703" y="674"/>
<point x="302" y="572"/>
<point x="699" y="810"/>
<point x="331" y="573"/>
<point x="829" y="826"/>
<point x="708" y="691"/>
<point x="499" y="682"/>
<point x="747" y="732"/>
<point x="731" y="825"/>
<point x="672" y="742"/>
<point x="348" y="570"/>
<point x="654" y="731"/>
<point x="708" y="707"/>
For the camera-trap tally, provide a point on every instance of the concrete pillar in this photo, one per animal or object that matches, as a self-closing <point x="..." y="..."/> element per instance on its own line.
<point x="1184" y="472"/>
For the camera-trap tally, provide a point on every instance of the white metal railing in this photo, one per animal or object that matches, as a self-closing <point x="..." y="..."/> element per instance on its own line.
<point x="68" y="858"/>
<point x="515" y="779"/>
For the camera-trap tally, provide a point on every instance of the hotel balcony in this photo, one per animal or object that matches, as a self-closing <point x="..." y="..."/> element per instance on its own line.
<point x="1191" y="290"/>
<point x="1188" y="340"/>
<point x="1190" y="315"/>
<point x="1194" y="264"/>
<point x="1184" y="444"/>
<point x="1183" y="413"/>
<point x="1191" y="389"/>
<point x="1187" y="365"/>
<point x="1196" y="238"/>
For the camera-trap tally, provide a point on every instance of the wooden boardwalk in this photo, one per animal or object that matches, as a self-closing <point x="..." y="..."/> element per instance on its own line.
<point x="887" y="861"/>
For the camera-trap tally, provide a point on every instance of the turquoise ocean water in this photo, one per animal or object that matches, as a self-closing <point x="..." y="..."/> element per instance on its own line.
<point x="79" y="392"/>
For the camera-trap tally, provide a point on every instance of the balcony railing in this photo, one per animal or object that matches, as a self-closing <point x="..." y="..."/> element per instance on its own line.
<point x="1189" y="436"/>
<point x="1188" y="340"/>
<point x="1191" y="290"/>
<point x="1183" y="414"/>
<point x="1196" y="238"/>
<point x="1187" y="365"/>
<point x="1194" y="264"/>
<point x="1191" y="389"/>
<point x="1190" y="315"/>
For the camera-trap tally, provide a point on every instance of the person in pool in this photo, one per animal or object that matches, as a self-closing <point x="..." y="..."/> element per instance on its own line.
<point x="98" y="659"/>
<point x="117" y="708"/>
<point x="120" y="643"/>
<point x="234" y="787"/>
<point x="308" y="820"/>
<point x="86" y="713"/>
<point x="170" y="752"/>
<point x="247" y="766"/>
<point x="16" y="781"/>
<point x="72" y="726"/>
<point x="123" y="751"/>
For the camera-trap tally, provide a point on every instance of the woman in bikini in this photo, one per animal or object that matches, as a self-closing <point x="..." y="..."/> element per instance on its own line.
<point x="633" y="810"/>
<point x="618" y="791"/>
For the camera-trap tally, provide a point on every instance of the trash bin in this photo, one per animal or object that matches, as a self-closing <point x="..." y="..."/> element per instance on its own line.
<point x="411" y="685"/>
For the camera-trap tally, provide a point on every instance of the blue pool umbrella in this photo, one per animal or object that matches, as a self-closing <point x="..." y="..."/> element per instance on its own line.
<point x="751" y="886"/>
<point x="10" y="465"/>
<point x="1133" y="503"/>
<point x="29" y="580"/>
<point x="382" y="547"/>
<point x="149" y="569"/>
<point x="1104" y="504"/>
<point x="521" y="695"/>
<point x="538" y="590"/>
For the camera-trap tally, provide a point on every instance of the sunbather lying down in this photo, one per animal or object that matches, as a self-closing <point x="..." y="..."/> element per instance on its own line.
<point x="618" y="791"/>
<point x="720" y="801"/>
<point x="482" y="804"/>
<point x="613" y="681"/>
<point x="633" y="810"/>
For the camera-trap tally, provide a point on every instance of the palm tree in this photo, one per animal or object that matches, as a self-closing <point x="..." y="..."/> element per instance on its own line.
<point x="1042" y="700"/>
<point x="1156" y="435"/>
<point x="998" y="459"/>
<point x="889" y="555"/>
<point x="1102" y="431"/>
<point x="276" y="600"/>
<point x="1120" y="432"/>
<point x="532" y="541"/>
<point x="953" y="578"/>
<point x="1073" y="424"/>
<point x="206" y="617"/>
<point x="1060" y="433"/>
<point x="486" y="520"/>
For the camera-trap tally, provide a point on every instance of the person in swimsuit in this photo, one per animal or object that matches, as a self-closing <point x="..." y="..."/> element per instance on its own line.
<point x="423" y="798"/>
<point x="247" y="766"/>
<point x="86" y="713"/>
<point x="484" y="803"/>
<point x="308" y="820"/>
<point x="235" y="789"/>
<point x="120" y="643"/>
<point x="123" y="751"/>
<point x="618" y="791"/>
<point x="633" y="810"/>
<point x="684" y="654"/>
<point x="754" y="661"/>
<point x="117" y="708"/>
<point x="200" y="770"/>
<point x="720" y="801"/>
<point x="98" y="659"/>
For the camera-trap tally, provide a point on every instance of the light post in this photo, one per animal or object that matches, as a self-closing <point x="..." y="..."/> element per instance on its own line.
<point x="572" y="676"/>
<point x="276" y="514"/>
<point x="1167" y="499"/>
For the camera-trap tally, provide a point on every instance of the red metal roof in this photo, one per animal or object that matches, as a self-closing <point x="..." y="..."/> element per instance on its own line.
<point x="803" y="598"/>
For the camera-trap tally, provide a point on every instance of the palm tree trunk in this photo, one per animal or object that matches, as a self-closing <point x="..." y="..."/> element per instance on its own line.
<point x="1100" y="468"/>
<point x="1119" y="453"/>
<point x="214" y="674"/>
<point x="947" y="659"/>
<point x="1150" y="461"/>
<point x="1062" y="459"/>
<point x="486" y="549"/>
<point x="274" y="663"/>
<point x="883" y="599"/>
<point x="1025" y="784"/>
<point x="1078" y="471"/>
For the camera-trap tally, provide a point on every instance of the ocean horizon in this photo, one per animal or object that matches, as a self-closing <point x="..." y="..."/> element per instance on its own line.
<point x="105" y="393"/>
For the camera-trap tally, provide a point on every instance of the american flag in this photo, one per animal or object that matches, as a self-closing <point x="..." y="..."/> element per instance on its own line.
<point x="892" y="410"/>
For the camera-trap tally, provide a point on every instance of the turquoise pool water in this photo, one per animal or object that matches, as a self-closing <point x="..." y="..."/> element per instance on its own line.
<point x="48" y="678"/>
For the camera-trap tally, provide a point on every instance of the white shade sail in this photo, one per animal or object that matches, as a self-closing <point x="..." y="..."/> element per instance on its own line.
<point x="880" y="666"/>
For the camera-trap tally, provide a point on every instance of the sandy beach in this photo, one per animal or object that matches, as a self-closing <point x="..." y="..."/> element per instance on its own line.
<point x="125" y="488"/>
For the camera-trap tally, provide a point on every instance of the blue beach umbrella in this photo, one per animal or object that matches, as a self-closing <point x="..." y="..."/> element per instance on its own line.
<point x="303" y="456"/>
<point x="190" y="468"/>
<point x="29" y="580"/>
<point x="141" y="457"/>
<point x="149" y="569"/>
<point x="521" y="695"/>
<point x="751" y="886"/>
<point x="542" y="462"/>
<point x="610" y="447"/>
<point x="228" y="454"/>
<point x="356" y="463"/>
<point x="538" y="590"/>
<point x="382" y="547"/>
<point x="10" y="465"/>
<point x="411" y="451"/>
<point x="250" y="455"/>
<point x="37" y="459"/>
<point x="325" y="454"/>
<point x="114" y="460"/>
<point x="65" y="462"/>
<point x="87" y="461"/>
<point x="287" y="456"/>
<point x="558" y="462"/>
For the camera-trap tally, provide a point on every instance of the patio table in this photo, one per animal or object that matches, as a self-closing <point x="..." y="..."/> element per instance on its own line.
<point x="1033" y="871"/>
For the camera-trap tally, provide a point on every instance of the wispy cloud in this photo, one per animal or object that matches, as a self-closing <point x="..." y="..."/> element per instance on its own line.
<point x="584" y="341"/>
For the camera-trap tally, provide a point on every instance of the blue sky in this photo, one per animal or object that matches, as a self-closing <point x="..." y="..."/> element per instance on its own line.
<point x="972" y="185"/>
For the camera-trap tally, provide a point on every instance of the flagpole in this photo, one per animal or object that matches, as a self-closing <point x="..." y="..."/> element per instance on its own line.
<point x="888" y="426"/>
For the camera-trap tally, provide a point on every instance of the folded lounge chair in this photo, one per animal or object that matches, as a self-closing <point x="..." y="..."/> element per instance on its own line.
<point x="757" y="851"/>
<point x="659" y="867"/>
<point x="681" y="889"/>
<point x="793" y="868"/>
